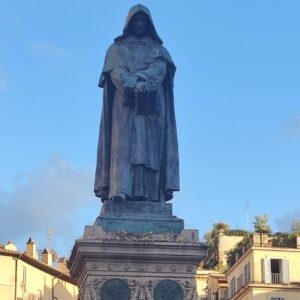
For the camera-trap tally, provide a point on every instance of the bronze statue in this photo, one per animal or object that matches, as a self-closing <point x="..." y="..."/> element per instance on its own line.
<point x="137" y="155"/>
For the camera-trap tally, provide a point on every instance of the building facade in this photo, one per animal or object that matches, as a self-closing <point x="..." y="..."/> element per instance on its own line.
<point x="24" y="277"/>
<point x="262" y="269"/>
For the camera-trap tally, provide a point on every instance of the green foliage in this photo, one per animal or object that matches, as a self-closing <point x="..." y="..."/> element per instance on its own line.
<point x="211" y="235"/>
<point x="220" y="226"/>
<point x="212" y="263"/>
<point x="239" y="249"/>
<point x="284" y="240"/>
<point x="243" y="242"/>
<point x="211" y="238"/>
<point x="222" y="268"/>
<point x="261" y="225"/>
<point x="236" y="232"/>
<point x="231" y="257"/>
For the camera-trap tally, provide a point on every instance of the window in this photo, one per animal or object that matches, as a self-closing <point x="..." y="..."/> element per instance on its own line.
<point x="209" y="294"/>
<point x="247" y="273"/>
<point x="240" y="281"/>
<point x="275" y="271"/>
<point x="38" y="295"/>
<point x="226" y="294"/>
<point x="222" y="294"/>
<point x="24" y="275"/>
<point x="232" y="287"/>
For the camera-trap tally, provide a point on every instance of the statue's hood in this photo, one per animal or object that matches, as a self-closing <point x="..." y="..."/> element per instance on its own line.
<point x="134" y="10"/>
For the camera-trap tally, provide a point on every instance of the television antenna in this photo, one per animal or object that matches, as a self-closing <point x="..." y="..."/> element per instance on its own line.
<point x="247" y="215"/>
<point x="50" y="236"/>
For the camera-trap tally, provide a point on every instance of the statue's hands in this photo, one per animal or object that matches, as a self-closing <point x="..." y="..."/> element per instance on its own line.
<point x="129" y="90"/>
<point x="142" y="87"/>
<point x="128" y="95"/>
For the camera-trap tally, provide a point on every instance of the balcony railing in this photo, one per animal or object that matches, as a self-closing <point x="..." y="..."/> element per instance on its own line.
<point x="275" y="277"/>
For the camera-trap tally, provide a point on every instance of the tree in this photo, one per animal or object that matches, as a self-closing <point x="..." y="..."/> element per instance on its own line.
<point x="211" y="238"/>
<point x="220" y="226"/>
<point x="295" y="227"/>
<point x="261" y="225"/>
<point x="211" y="235"/>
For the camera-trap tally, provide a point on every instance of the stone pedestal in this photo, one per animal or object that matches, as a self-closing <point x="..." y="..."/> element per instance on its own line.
<point x="143" y="262"/>
<point x="138" y="217"/>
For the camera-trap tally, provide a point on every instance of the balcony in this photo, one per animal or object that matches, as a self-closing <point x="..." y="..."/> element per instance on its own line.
<point x="275" y="278"/>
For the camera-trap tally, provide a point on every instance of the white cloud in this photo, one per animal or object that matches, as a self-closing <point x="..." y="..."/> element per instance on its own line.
<point x="51" y="197"/>
<point x="3" y="80"/>
<point x="51" y="49"/>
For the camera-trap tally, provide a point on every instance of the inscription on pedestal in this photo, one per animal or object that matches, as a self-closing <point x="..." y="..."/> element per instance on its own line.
<point x="115" y="289"/>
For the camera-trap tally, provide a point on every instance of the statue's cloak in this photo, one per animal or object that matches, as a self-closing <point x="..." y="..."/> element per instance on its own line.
<point x="169" y="168"/>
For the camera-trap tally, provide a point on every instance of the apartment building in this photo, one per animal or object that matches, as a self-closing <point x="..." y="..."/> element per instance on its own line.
<point x="265" y="268"/>
<point x="23" y="276"/>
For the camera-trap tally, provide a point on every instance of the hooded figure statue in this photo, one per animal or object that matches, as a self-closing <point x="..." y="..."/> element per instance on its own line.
<point x="137" y="155"/>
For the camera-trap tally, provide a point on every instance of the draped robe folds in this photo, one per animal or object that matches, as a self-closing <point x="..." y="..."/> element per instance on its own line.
<point x="137" y="152"/>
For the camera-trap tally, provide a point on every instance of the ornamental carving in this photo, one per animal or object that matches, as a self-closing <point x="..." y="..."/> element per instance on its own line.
<point x="189" y="269"/>
<point x="139" y="290"/>
<point x="158" y="268"/>
<point x="189" y="290"/>
<point x="147" y="237"/>
<point x="173" y="268"/>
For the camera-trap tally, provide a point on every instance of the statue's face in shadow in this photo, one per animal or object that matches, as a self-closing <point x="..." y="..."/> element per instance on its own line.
<point x="139" y="25"/>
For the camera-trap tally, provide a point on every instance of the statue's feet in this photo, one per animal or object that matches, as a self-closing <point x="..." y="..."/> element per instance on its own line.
<point x="169" y="195"/>
<point x="119" y="197"/>
<point x="103" y="194"/>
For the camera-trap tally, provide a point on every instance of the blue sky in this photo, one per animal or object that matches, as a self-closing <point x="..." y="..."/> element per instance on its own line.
<point x="237" y="96"/>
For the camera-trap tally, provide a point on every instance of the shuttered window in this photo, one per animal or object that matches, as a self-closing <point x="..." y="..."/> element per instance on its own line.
<point x="232" y="286"/>
<point x="285" y="271"/>
<point x="275" y="271"/>
<point x="266" y="270"/>
<point x="247" y="273"/>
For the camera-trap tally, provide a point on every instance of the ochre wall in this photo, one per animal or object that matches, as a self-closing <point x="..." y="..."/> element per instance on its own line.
<point x="226" y="243"/>
<point x="7" y="278"/>
<point x="254" y="257"/>
<point x="266" y="294"/>
<point x="292" y="255"/>
<point x="36" y="280"/>
<point x="239" y="267"/>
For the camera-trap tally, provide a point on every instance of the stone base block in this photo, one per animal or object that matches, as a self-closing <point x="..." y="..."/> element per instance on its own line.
<point x="139" y="217"/>
<point x="127" y="266"/>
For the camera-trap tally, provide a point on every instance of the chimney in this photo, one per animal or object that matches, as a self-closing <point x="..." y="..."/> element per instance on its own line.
<point x="10" y="246"/>
<point x="31" y="248"/>
<point x="47" y="257"/>
<point x="62" y="265"/>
